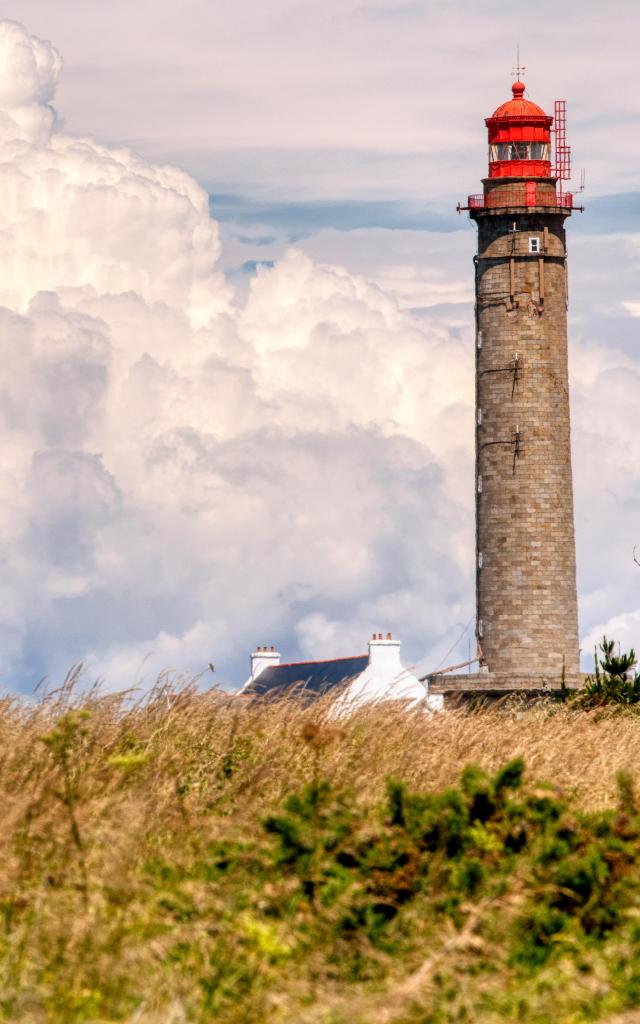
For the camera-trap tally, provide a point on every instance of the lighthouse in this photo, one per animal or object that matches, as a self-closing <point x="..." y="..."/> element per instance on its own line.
<point x="527" y="616"/>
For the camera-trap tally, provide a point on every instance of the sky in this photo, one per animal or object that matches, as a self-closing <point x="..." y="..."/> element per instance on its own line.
<point x="236" y="325"/>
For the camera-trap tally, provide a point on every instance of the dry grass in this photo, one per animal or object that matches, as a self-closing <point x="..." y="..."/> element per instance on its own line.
<point x="95" y="790"/>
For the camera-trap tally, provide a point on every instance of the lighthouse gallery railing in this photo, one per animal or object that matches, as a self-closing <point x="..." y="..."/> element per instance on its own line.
<point x="497" y="198"/>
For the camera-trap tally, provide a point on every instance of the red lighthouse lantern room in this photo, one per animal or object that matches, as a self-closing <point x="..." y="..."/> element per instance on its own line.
<point x="519" y="138"/>
<point x="520" y="169"/>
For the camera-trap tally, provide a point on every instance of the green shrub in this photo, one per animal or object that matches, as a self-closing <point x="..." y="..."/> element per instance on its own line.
<point x="576" y="874"/>
<point x="612" y="682"/>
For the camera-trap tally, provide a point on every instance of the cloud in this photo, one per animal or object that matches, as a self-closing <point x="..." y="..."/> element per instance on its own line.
<point x="29" y="72"/>
<point x="187" y="471"/>
<point x="79" y="216"/>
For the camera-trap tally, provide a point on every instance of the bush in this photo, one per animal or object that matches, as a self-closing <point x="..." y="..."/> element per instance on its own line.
<point x="613" y="681"/>
<point x="575" y="874"/>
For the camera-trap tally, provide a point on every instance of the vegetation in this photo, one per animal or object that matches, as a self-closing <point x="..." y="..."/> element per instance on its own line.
<point x="613" y="681"/>
<point x="198" y="858"/>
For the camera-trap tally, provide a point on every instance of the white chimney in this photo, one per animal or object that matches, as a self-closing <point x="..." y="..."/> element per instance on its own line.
<point x="263" y="658"/>
<point x="384" y="655"/>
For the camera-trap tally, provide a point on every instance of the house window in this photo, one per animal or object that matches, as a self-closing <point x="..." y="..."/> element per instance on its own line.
<point x="534" y="245"/>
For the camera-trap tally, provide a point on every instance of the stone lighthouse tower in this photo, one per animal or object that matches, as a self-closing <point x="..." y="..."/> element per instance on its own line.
<point x="527" y="619"/>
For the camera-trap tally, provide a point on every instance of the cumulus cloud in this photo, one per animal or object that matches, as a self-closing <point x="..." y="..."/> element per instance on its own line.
<point x="29" y="72"/>
<point x="188" y="471"/>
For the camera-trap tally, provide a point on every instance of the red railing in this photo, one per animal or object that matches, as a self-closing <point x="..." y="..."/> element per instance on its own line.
<point x="529" y="195"/>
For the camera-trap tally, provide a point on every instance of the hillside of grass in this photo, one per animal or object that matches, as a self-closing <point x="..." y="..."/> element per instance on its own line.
<point x="202" y="858"/>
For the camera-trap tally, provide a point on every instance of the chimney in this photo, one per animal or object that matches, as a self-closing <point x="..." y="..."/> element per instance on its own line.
<point x="384" y="654"/>
<point x="263" y="657"/>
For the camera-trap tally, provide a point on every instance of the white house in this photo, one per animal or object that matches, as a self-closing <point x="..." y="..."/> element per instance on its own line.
<point x="357" y="680"/>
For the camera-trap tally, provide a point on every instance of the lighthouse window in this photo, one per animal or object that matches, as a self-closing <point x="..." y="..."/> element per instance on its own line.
<point x="519" y="151"/>
<point x="534" y="245"/>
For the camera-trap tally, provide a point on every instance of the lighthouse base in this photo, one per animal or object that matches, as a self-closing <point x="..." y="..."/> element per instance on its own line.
<point x="488" y="687"/>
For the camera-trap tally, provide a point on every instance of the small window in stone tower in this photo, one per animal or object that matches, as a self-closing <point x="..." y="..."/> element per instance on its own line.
<point x="534" y="245"/>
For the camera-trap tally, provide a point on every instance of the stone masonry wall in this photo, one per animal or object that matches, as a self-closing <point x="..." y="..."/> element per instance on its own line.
<point x="526" y="572"/>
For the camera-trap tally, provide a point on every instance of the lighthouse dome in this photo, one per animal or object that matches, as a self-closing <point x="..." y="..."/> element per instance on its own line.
<point x="518" y="106"/>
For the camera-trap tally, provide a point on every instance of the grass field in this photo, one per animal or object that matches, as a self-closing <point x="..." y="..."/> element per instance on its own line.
<point x="201" y="858"/>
